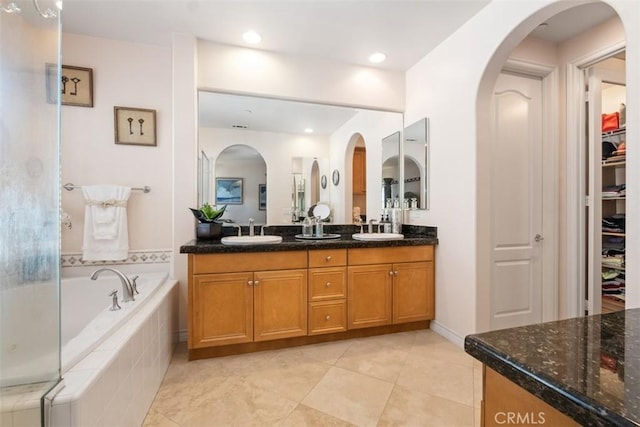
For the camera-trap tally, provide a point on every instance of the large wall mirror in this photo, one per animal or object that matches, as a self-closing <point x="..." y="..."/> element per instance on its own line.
<point x="416" y="164"/>
<point x="300" y="144"/>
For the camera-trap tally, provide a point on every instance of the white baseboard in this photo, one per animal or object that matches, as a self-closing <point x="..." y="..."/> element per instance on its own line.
<point x="447" y="333"/>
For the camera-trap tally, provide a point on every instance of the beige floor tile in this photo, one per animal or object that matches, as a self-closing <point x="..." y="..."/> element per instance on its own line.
<point x="305" y="416"/>
<point x="412" y="408"/>
<point x="342" y="383"/>
<point x="438" y="378"/>
<point x="441" y="351"/>
<point x="291" y="374"/>
<point x="235" y="402"/>
<point x="156" y="419"/>
<point x="327" y="353"/>
<point x="352" y="397"/>
<point x="399" y="340"/>
<point x="379" y="361"/>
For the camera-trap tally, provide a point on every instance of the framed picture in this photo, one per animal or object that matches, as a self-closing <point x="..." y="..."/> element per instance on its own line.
<point x="229" y="191"/>
<point x="262" y="197"/>
<point x="76" y="87"/>
<point x="135" y="126"/>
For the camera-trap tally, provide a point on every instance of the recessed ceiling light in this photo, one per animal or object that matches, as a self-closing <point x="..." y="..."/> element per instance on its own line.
<point x="308" y="130"/>
<point x="377" y="57"/>
<point x="252" y="37"/>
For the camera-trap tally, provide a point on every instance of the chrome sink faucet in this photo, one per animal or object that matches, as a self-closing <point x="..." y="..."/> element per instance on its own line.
<point x="127" y="288"/>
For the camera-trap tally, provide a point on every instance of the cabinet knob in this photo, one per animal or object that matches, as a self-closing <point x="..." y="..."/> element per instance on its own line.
<point x="250" y="283"/>
<point x="328" y="284"/>
<point x="327" y="317"/>
<point x="256" y="282"/>
<point x="395" y="273"/>
<point x="391" y="273"/>
<point x="328" y="257"/>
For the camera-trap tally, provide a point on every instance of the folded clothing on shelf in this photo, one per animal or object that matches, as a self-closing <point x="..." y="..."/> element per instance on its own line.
<point x="614" y="223"/>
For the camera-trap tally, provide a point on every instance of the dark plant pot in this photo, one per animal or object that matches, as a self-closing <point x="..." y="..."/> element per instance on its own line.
<point x="208" y="230"/>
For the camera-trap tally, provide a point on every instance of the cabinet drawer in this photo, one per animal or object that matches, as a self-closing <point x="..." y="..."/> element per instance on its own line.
<point x="327" y="283"/>
<point x="327" y="317"/>
<point x="327" y="258"/>
<point x="254" y="261"/>
<point x="365" y="256"/>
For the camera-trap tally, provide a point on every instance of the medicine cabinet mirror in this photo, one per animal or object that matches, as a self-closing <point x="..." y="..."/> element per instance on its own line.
<point x="416" y="163"/>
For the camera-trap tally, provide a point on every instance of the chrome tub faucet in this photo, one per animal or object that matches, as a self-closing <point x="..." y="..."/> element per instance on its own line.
<point x="127" y="288"/>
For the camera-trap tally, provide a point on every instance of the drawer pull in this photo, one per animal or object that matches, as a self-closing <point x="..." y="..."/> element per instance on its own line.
<point x="328" y="258"/>
<point x="327" y="317"/>
<point x="328" y="284"/>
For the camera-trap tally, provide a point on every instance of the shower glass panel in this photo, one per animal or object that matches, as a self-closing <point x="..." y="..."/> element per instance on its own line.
<point x="30" y="200"/>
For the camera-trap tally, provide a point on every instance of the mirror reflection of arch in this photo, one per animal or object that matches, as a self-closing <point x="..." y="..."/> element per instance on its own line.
<point x="245" y="162"/>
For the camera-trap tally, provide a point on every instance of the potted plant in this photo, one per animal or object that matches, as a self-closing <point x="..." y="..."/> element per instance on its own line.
<point x="209" y="225"/>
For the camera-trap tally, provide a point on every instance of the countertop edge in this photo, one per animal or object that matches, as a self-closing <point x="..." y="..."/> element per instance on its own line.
<point x="570" y="402"/>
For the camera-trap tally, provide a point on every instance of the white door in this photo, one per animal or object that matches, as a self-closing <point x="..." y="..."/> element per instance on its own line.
<point x="516" y="202"/>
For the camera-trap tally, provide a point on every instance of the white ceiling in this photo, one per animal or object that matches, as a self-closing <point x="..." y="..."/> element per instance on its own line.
<point x="339" y="30"/>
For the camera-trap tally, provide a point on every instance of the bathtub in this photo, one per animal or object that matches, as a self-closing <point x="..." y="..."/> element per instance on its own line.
<point x="112" y="362"/>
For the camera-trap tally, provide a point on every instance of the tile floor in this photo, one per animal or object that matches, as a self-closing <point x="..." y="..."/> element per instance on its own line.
<point x="406" y="379"/>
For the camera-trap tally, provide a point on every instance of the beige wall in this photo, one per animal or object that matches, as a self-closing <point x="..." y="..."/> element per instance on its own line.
<point x="130" y="75"/>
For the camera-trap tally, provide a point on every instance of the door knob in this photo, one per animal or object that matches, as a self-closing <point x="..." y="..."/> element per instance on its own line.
<point x="538" y="238"/>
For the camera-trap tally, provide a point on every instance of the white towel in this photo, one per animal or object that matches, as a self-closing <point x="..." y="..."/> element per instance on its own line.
<point x="106" y="237"/>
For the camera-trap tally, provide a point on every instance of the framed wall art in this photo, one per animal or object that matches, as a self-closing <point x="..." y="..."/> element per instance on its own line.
<point x="229" y="191"/>
<point x="262" y="197"/>
<point x="135" y="126"/>
<point x="76" y="87"/>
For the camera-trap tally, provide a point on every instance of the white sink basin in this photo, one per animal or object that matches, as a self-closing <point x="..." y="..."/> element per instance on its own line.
<point x="373" y="237"/>
<point x="251" y="240"/>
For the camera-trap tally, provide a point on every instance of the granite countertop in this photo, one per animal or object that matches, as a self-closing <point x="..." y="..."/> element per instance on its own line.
<point x="413" y="236"/>
<point x="587" y="367"/>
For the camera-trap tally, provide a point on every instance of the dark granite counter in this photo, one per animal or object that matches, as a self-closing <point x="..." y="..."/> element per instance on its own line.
<point x="588" y="368"/>
<point x="413" y="236"/>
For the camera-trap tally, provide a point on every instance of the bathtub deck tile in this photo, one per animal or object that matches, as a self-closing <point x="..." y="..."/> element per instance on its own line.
<point x="93" y="360"/>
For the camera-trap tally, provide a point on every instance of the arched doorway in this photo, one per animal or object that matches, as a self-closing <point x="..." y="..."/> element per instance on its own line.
<point x="549" y="244"/>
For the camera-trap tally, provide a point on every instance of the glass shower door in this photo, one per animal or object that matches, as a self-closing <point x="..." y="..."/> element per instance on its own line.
<point x="29" y="206"/>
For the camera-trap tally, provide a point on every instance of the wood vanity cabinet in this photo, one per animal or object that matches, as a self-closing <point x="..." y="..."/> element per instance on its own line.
<point x="235" y="298"/>
<point x="250" y="301"/>
<point x="327" y="291"/>
<point x="390" y="286"/>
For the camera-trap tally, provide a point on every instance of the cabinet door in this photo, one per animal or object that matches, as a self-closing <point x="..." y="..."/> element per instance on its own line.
<point x="280" y="304"/>
<point x="413" y="292"/>
<point x="369" y="295"/>
<point x="221" y="309"/>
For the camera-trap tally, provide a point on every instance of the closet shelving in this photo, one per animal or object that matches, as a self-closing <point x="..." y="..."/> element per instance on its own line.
<point x="613" y="233"/>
